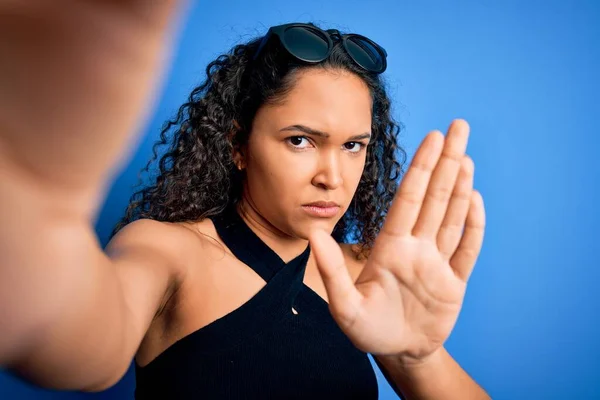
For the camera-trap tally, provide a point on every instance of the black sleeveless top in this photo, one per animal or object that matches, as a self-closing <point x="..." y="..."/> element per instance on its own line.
<point x="262" y="350"/>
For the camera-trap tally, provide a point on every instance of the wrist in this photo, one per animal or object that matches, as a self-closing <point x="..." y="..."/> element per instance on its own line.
<point x="409" y="365"/>
<point x="437" y="376"/>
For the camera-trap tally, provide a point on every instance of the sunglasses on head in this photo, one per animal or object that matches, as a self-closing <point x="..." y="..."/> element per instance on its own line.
<point x="312" y="45"/>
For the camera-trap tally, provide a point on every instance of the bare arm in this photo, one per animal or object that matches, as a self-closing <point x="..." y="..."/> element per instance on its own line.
<point x="73" y="316"/>
<point x="77" y="79"/>
<point x="440" y="377"/>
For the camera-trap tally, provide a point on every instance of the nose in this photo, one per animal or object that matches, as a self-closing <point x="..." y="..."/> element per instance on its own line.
<point x="329" y="174"/>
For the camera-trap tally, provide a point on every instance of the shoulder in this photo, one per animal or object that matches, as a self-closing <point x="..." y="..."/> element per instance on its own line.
<point x="172" y="237"/>
<point x="144" y="233"/>
<point x="156" y="245"/>
<point x="152" y="235"/>
<point x="170" y="253"/>
<point x="161" y="243"/>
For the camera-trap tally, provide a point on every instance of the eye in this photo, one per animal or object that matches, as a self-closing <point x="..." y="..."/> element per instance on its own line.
<point x="354" y="147"/>
<point x="296" y="141"/>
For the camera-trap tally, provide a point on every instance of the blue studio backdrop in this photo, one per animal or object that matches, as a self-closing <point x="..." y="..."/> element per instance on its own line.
<point x="525" y="76"/>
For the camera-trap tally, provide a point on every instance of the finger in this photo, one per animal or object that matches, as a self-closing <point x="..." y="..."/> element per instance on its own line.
<point x="404" y="211"/>
<point x="344" y="299"/>
<point x="463" y="260"/>
<point x="451" y="230"/>
<point x="442" y="181"/>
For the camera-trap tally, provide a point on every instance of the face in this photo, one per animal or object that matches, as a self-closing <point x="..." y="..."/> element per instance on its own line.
<point x="310" y="147"/>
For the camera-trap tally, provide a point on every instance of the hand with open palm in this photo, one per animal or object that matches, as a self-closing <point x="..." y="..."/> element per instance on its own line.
<point x="78" y="80"/>
<point x="409" y="294"/>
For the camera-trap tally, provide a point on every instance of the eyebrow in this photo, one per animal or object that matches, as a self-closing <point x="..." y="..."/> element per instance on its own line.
<point x="315" y="132"/>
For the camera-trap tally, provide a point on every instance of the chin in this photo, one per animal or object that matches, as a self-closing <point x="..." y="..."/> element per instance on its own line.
<point x="303" y="229"/>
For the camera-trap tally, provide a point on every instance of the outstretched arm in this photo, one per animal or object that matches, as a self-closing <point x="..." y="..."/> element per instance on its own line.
<point x="77" y="78"/>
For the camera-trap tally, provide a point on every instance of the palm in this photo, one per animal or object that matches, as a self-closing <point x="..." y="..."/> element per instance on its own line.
<point x="87" y="71"/>
<point x="416" y="296"/>
<point x="409" y="294"/>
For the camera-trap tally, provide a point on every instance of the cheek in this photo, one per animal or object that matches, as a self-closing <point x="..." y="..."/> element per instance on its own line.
<point x="280" y="162"/>
<point x="353" y="172"/>
<point x="275" y="173"/>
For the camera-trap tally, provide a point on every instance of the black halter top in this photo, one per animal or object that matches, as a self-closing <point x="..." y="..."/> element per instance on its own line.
<point x="262" y="350"/>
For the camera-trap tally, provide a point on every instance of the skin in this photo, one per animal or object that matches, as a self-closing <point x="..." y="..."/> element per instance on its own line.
<point x="421" y="260"/>
<point x="105" y="59"/>
<point x="287" y="167"/>
<point x="324" y="169"/>
<point x="413" y="284"/>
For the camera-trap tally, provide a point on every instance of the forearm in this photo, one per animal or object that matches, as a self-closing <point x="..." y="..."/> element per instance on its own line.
<point x="59" y="297"/>
<point x="440" y="377"/>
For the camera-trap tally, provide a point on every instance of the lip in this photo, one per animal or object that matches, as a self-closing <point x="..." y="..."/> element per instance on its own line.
<point x="322" y="209"/>
<point x="323" y="204"/>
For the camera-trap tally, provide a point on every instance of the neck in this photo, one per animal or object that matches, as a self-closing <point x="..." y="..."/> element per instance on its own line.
<point x="287" y="247"/>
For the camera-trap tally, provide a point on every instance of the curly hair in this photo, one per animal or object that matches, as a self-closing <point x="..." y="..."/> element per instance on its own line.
<point x="198" y="177"/>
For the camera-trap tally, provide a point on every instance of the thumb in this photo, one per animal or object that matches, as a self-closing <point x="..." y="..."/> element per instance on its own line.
<point x="344" y="299"/>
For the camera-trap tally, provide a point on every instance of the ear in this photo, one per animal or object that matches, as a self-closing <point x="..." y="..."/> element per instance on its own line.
<point x="237" y="152"/>
<point x="239" y="159"/>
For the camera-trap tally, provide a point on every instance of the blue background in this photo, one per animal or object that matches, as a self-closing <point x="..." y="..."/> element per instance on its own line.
<point x="524" y="74"/>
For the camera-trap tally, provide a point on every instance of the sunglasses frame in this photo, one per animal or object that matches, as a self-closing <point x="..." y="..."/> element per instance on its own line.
<point x="328" y="35"/>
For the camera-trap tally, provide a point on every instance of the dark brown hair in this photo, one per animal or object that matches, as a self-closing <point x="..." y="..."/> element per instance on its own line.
<point x="197" y="175"/>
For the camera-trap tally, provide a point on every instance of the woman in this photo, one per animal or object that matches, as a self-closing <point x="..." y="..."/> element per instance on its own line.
<point x="228" y="283"/>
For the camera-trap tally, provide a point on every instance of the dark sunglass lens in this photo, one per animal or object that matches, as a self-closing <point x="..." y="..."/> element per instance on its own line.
<point x="365" y="54"/>
<point x="306" y="44"/>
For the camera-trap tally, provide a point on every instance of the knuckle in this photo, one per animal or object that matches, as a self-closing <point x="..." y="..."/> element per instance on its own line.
<point x="440" y="194"/>
<point x="410" y="197"/>
<point x="420" y="165"/>
<point x="462" y="195"/>
<point x="468" y="253"/>
<point x="451" y="229"/>
<point x="451" y="154"/>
